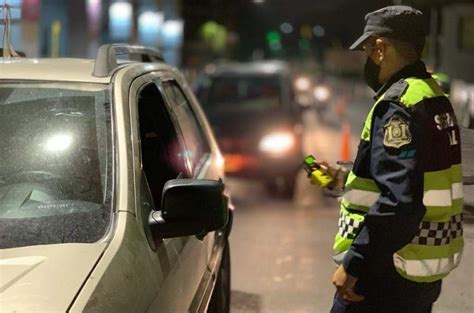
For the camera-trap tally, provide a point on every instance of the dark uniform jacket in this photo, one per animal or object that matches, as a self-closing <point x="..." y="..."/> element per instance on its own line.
<point x="393" y="221"/>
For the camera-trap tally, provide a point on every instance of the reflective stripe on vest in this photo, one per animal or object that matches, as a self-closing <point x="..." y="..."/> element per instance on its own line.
<point x="361" y="197"/>
<point x="424" y="270"/>
<point x="443" y="197"/>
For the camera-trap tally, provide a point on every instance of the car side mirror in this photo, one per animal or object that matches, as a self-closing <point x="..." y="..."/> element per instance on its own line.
<point x="190" y="207"/>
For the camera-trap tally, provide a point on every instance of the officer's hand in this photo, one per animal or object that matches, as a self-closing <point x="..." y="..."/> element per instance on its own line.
<point x="337" y="173"/>
<point x="344" y="284"/>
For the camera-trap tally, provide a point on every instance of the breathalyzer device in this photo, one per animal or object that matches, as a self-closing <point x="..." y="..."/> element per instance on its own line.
<point x="315" y="172"/>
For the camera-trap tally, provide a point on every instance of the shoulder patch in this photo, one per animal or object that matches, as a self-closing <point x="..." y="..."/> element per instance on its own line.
<point x="396" y="132"/>
<point x="395" y="92"/>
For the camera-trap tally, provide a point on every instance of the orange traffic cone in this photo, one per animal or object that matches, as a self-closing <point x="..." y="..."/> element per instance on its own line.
<point x="346" y="142"/>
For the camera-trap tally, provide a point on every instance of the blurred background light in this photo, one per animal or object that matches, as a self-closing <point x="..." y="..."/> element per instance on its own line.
<point x="304" y="44"/>
<point x="172" y="33"/>
<point x="275" y="45"/>
<point x="215" y="35"/>
<point x="277" y="143"/>
<point x="30" y="10"/>
<point x="306" y="32"/>
<point x="274" y="40"/>
<point x="150" y="25"/>
<point x="172" y="40"/>
<point x="94" y="13"/>
<point x="321" y="93"/>
<point x="319" y="31"/>
<point x="120" y="20"/>
<point x="302" y="83"/>
<point x="286" y="28"/>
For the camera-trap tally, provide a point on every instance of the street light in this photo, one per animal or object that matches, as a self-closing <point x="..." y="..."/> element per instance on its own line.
<point x="258" y="1"/>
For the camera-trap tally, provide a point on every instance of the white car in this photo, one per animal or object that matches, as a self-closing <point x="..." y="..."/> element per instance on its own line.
<point x="111" y="198"/>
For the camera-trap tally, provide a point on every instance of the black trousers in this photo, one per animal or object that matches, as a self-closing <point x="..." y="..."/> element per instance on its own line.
<point x="342" y="306"/>
<point x="390" y="294"/>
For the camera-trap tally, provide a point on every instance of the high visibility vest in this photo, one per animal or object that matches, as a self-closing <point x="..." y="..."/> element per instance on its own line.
<point x="438" y="245"/>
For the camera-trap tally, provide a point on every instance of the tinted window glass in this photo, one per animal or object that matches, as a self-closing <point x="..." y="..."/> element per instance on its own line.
<point x="255" y="93"/>
<point x="56" y="168"/>
<point x="162" y="152"/>
<point x="194" y="138"/>
<point x="147" y="205"/>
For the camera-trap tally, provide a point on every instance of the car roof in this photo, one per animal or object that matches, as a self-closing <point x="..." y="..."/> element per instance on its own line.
<point x="51" y="69"/>
<point x="250" y="68"/>
<point x="62" y="69"/>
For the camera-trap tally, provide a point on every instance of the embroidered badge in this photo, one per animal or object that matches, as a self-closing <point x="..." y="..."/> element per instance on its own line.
<point x="396" y="132"/>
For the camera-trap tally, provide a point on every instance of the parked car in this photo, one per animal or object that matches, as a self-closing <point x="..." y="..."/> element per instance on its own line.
<point x="111" y="191"/>
<point x="257" y="121"/>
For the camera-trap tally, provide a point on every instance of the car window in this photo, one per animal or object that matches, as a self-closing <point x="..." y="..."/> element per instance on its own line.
<point x="147" y="205"/>
<point x="56" y="163"/>
<point x="162" y="150"/>
<point x="194" y="138"/>
<point x="243" y="92"/>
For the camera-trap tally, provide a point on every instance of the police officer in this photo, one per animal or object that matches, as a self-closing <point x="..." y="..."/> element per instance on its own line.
<point x="400" y="226"/>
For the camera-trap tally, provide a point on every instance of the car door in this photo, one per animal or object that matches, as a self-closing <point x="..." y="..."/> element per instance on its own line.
<point x="197" y="148"/>
<point x="163" y="155"/>
<point x="193" y="132"/>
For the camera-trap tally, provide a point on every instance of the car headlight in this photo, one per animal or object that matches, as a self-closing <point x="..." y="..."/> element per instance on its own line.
<point x="302" y="83"/>
<point x="277" y="142"/>
<point x="321" y="93"/>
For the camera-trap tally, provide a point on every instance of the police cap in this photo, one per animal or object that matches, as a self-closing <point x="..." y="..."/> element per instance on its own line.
<point x="399" y="22"/>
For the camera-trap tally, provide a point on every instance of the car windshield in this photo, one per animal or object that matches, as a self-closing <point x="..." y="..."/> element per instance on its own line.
<point x="55" y="163"/>
<point x="250" y="92"/>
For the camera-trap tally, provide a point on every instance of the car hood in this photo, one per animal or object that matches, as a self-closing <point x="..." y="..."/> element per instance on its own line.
<point x="45" y="278"/>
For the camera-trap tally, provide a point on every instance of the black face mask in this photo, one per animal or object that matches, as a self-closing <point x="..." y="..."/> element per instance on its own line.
<point x="371" y="74"/>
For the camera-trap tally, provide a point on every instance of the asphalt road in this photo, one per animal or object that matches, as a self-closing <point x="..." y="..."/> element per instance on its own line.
<point x="281" y="252"/>
<point x="281" y="249"/>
